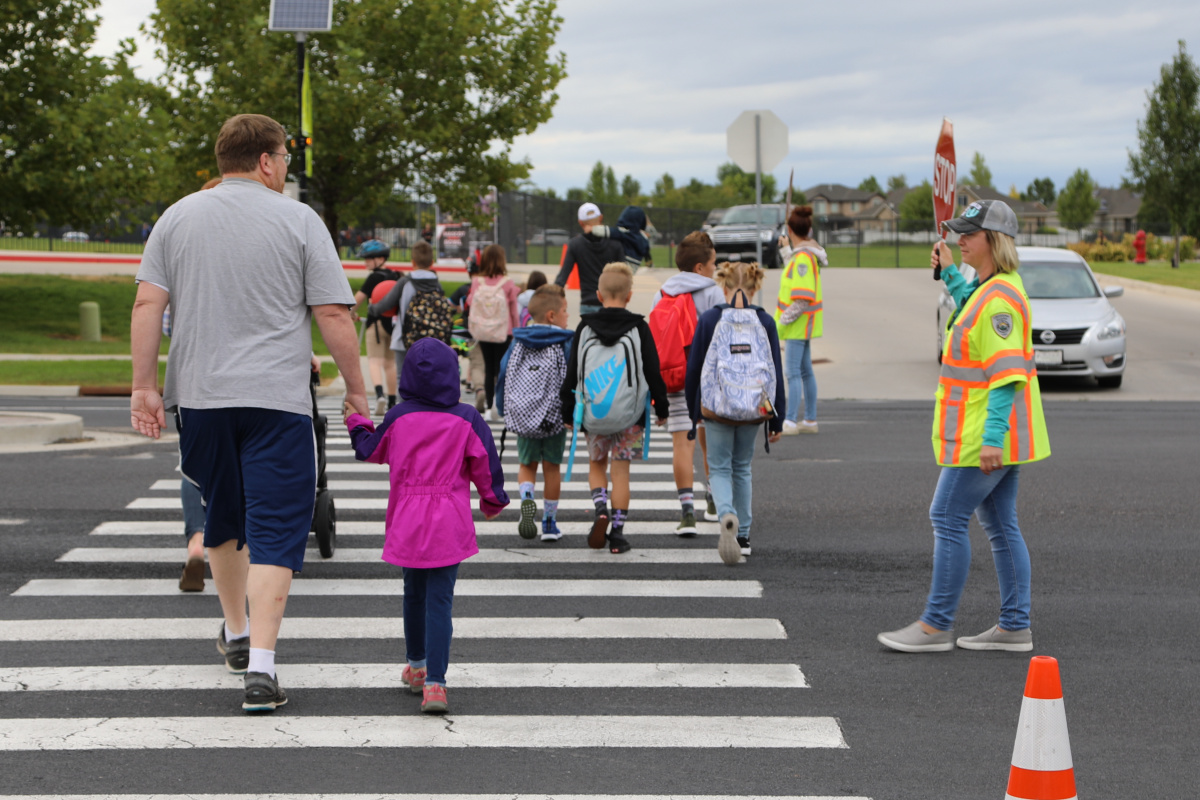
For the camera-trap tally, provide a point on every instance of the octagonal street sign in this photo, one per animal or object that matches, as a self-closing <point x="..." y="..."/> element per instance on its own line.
<point x="740" y="140"/>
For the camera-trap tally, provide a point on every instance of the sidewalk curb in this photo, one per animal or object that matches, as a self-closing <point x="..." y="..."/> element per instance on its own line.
<point x="33" y="390"/>
<point x="1149" y="286"/>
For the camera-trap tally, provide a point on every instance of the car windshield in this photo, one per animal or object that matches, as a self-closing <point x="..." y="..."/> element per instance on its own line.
<point x="744" y="215"/>
<point x="1057" y="280"/>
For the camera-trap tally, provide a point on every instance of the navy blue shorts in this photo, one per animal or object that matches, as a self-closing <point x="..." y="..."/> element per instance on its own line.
<point x="257" y="472"/>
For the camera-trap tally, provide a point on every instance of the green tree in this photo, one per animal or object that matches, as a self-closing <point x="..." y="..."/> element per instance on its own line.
<point x="1040" y="190"/>
<point x="631" y="190"/>
<point x="916" y="208"/>
<point x="576" y="195"/>
<point x="422" y="93"/>
<point x="1167" y="162"/>
<point x="602" y="185"/>
<point x="897" y="182"/>
<point x="869" y="184"/>
<point x="80" y="134"/>
<point x="980" y="174"/>
<point x="740" y="184"/>
<point x="1077" y="203"/>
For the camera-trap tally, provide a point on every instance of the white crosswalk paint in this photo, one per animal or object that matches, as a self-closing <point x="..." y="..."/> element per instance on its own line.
<point x="380" y="504"/>
<point x="135" y="629"/>
<point x="416" y="730"/>
<point x="375" y="528"/>
<point x="394" y="587"/>
<point x="168" y="677"/>
<point x="546" y="554"/>
<point x="578" y="485"/>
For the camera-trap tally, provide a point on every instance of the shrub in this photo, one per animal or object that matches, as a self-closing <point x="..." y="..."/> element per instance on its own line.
<point x="1103" y="251"/>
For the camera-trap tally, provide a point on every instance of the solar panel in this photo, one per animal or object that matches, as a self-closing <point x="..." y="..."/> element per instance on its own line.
<point x="301" y="15"/>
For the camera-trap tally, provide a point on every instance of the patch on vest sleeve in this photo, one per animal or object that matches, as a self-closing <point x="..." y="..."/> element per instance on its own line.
<point x="1002" y="324"/>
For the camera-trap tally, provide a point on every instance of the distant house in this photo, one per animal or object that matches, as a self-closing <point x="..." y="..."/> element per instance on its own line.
<point x="1031" y="214"/>
<point x="1118" y="210"/>
<point x="836" y="206"/>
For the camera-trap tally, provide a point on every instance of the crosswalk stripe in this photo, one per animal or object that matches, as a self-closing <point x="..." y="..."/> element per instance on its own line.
<point x="523" y="731"/>
<point x="380" y="504"/>
<point x="394" y="587"/>
<point x="578" y="485"/>
<point x="546" y="554"/>
<point x="176" y="677"/>
<point x="174" y="527"/>
<point x="135" y="629"/>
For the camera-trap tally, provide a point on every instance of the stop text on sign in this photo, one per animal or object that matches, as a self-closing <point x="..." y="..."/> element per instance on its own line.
<point x="944" y="178"/>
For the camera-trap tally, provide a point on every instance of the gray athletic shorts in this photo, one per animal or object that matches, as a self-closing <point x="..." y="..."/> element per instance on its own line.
<point x="677" y="418"/>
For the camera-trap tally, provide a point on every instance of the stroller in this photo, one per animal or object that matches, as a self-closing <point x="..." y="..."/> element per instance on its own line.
<point x="324" y="524"/>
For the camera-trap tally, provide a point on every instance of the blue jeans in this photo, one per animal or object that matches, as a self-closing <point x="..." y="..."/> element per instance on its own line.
<point x="801" y="382"/>
<point x="428" y="600"/>
<point x="730" y="452"/>
<point x="962" y="491"/>
<point x="193" y="509"/>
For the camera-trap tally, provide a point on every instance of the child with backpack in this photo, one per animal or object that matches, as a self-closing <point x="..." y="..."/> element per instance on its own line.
<point x="420" y="305"/>
<point x="673" y="317"/>
<point x="527" y="396"/>
<point x="613" y="371"/>
<point x="734" y="384"/>
<point x="535" y="281"/>
<point x="493" y="306"/>
<point x="435" y="448"/>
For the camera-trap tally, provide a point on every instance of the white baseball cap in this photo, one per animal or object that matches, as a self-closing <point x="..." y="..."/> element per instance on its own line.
<point x="589" y="212"/>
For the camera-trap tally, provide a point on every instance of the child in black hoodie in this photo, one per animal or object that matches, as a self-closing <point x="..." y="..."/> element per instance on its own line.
<point x="605" y="386"/>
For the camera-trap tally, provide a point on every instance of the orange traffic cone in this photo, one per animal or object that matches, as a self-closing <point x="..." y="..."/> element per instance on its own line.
<point x="573" y="279"/>
<point x="1041" y="761"/>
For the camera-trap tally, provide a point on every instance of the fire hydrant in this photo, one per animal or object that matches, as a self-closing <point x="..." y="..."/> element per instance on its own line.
<point x="1139" y="247"/>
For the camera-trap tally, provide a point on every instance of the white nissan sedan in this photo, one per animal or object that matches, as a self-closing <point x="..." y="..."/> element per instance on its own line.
<point x="1076" y="331"/>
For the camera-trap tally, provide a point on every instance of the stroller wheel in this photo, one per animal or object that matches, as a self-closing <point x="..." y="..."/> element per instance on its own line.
<point x="325" y="524"/>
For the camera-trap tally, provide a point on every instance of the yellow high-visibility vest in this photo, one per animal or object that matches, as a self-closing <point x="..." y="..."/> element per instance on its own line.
<point x="801" y="281"/>
<point x="989" y="343"/>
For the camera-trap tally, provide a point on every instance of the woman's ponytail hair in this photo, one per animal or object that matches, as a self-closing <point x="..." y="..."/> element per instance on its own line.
<point x="800" y="221"/>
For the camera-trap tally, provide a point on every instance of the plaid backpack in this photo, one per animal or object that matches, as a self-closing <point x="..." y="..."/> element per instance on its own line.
<point x="429" y="314"/>
<point x="532" y="404"/>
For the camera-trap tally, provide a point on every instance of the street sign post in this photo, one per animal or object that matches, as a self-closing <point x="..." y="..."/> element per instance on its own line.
<point x="945" y="182"/>
<point x="757" y="140"/>
<point x="302" y="17"/>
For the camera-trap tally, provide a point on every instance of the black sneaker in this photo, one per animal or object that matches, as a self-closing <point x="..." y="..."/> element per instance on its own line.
<point x="263" y="693"/>
<point x="744" y="544"/>
<point x="237" y="652"/>
<point x="599" y="528"/>
<point x="618" y="544"/>
<point x="527" y="527"/>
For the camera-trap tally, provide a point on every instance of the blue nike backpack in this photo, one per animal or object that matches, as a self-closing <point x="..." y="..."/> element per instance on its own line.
<point x="612" y="386"/>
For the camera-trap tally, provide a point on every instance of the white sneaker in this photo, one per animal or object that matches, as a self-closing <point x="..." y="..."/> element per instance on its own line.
<point x="490" y="416"/>
<point x="790" y="428"/>
<point x="806" y="427"/>
<point x="380" y="406"/>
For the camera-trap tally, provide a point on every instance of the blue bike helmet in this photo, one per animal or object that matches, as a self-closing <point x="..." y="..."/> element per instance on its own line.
<point x="373" y="248"/>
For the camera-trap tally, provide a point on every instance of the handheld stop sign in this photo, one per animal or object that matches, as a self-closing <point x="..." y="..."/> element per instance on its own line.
<point x="945" y="182"/>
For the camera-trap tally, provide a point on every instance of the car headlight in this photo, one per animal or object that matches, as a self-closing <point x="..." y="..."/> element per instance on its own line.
<point x="1112" y="329"/>
<point x="766" y="235"/>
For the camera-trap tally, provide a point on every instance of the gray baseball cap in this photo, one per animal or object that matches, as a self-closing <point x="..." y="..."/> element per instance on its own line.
<point x="985" y="215"/>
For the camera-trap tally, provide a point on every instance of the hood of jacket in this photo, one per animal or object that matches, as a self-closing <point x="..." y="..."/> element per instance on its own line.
<point x="632" y="219"/>
<point x="685" y="283"/>
<point x="539" y="337"/>
<point x="424" y="280"/>
<point x="596" y="244"/>
<point x="430" y="373"/>
<point x="610" y="324"/>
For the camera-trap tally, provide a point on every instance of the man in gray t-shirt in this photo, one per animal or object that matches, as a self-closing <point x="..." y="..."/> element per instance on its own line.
<point x="245" y="270"/>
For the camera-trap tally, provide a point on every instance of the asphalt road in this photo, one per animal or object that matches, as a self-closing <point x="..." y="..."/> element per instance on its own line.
<point x="842" y="550"/>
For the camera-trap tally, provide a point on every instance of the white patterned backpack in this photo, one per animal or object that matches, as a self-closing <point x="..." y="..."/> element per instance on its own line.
<point x="737" y="384"/>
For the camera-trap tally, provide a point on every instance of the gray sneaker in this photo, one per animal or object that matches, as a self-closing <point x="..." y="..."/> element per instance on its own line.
<point x="914" y="639"/>
<point x="996" y="639"/>
<point x="727" y="546"/>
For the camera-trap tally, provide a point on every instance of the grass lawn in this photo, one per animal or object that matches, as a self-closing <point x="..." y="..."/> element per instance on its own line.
<point x="1187" y="276"/>
<point x="71" y="373"/>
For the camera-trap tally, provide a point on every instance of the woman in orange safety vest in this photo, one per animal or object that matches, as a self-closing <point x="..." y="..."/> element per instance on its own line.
<point x="988" y="421"/>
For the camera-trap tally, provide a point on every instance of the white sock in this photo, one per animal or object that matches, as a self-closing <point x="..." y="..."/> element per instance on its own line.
<point x="262" y="661"/>
<point x="230" y="635"/>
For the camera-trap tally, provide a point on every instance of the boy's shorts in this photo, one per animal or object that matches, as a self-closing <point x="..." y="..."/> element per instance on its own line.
<point x="379" y="343"/>
<point x="548" y="450"/>
<point x="623" y="446"/>
<point x="257" y="472"/>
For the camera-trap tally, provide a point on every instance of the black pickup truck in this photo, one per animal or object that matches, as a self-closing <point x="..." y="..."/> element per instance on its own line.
<point x="733" y="236"/>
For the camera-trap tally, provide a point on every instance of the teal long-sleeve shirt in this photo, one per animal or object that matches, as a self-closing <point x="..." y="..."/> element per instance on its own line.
<point x="1000" y="399"/>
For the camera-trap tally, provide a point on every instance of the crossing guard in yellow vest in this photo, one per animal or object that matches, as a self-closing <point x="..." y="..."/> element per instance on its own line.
<point x="989" y="344"/>
<point x="801" y="283"/>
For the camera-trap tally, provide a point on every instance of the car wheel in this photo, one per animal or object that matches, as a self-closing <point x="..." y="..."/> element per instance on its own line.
<point x="1110" y="381"/>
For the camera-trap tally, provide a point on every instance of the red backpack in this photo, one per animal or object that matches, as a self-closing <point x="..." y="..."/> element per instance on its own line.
<point x="673" y="325"/>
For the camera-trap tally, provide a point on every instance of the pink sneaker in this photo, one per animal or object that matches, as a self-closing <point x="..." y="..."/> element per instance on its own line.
<point x="434" y="701"/>
<point x="414" y="679"/>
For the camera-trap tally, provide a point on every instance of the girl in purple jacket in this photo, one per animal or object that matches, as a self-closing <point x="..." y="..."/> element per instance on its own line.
<point x="436" y="447"/>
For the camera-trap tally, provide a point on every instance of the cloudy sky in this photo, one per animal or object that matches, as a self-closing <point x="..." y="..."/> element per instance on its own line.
<point x="1040" y="88"/>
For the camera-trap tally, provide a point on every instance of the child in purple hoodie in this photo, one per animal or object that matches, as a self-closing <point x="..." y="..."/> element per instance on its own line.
<point x="436" y="447"/>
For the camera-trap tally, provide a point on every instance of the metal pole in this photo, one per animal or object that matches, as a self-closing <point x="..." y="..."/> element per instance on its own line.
<point x="545" y="232"/>
<point x="896" y="229"/>
<point x="758" y="188"/>
<point x="301" y="177"/>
